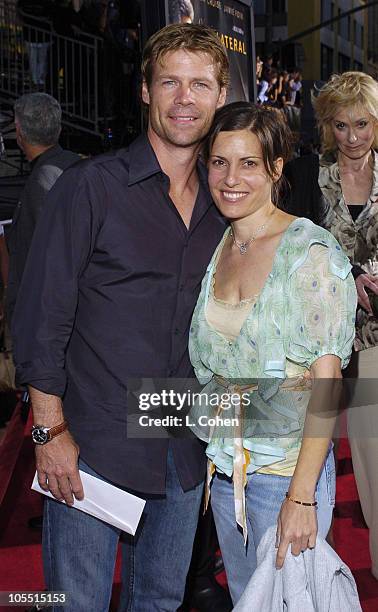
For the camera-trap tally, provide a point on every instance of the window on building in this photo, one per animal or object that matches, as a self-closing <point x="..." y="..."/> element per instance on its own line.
<point x="326" y="68"/>
<point x="259" y="7"/>
<point x="279" y="6"/>
<point x="325" y="11"/>
<point x="359" y="35"/>
<point x="343" y="26"/>
<point x="344" y="62"/>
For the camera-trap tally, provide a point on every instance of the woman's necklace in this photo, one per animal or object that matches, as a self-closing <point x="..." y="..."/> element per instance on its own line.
<point x="243" y="246"/>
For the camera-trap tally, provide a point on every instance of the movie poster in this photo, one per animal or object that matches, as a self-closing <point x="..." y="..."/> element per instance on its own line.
<point x="231" y="19"/>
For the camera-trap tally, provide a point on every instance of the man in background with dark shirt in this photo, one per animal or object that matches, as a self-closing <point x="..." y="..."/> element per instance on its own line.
<point x="108" y="293"/>
<point x="38" y="126"/>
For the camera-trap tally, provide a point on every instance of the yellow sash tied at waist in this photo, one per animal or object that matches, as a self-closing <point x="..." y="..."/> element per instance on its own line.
<point x="241" y="458"/>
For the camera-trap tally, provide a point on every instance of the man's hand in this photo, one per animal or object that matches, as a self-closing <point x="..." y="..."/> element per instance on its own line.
<point x="57" y="468"/>
<point x="297" y="525"/>
<point x="57" y="460"/>
<point x="364" y="281"/>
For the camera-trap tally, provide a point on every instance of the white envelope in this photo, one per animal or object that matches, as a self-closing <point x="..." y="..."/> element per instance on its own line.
<point x="105" y="502"/>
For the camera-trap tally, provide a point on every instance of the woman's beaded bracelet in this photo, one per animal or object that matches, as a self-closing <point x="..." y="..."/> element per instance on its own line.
<point x="301" y="503"/>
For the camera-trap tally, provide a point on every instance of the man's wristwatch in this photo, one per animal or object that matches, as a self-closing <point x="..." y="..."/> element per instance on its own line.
<point x="42" y="435"/>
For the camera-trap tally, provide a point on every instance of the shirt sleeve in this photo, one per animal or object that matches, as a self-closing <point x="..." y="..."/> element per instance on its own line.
<point x="321" y="306"/>
<point x="46" y="305"/>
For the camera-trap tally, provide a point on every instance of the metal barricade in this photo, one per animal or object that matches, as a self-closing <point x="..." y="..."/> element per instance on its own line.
<point x="34" y="58"/>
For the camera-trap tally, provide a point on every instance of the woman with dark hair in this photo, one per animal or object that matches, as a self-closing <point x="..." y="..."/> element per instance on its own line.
<point x="275" y="313"/>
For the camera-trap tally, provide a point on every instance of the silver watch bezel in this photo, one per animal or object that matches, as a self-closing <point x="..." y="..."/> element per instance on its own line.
<point x="38" y="430"/>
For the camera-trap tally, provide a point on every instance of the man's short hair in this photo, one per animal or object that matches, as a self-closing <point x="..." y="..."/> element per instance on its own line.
<point x="39" y="118"/>
<point x="190" y="37"/>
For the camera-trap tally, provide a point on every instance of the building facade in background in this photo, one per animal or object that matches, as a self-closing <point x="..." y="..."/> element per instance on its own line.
<point x="373" y="41"/>
<point x="340" y="46"/>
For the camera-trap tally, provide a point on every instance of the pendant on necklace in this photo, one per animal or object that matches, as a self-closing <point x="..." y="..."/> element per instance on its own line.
<point x="243" y="247"/>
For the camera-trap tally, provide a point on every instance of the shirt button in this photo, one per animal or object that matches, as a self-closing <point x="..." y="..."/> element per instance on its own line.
<point x="176" y="331"/>
<point x="181" y="288"/>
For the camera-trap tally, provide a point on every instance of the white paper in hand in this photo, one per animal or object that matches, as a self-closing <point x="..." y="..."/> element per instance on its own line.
<point x="105" y="502"/>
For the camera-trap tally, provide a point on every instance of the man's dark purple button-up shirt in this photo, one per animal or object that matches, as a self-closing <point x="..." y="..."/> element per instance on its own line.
<point x="108" y="293"/>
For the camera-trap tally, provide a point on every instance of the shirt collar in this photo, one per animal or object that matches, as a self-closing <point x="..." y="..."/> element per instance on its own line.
<point x="143" y="161"/>
<point x="203" y="179"/>
<point x="45" y="155"/>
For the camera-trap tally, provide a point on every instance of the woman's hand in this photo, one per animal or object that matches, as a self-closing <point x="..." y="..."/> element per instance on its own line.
<point x="297" y="525"/>
<point x="364" y="281"/>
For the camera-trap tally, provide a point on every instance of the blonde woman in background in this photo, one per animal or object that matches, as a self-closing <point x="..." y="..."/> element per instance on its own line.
<point x="340" y="190"/>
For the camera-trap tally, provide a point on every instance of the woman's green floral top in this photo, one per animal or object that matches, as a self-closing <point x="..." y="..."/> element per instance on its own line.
<point x="306" y="309"/>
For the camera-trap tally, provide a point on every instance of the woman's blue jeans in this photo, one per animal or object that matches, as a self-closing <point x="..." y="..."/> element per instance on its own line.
<point x="80" y="552"/>
<point x="264" y="496"/>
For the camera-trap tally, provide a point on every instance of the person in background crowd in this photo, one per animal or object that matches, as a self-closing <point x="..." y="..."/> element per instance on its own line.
<point x="276" y="308"/>
<point x="268" y="89"/>
<point x="273" y="89"/>
<point x="264" y="87"/>
<point x="292" y="101"/>
<point x="267" y="65"/>
<point x="35" y="15"/>
<point x="259" y="68"/>
<point x="295" y="87"/>
<point x="283" y="88"/>
<point x="38" y="126"/>
<point x="340" y="191"/>
<point x="125" y="241"/>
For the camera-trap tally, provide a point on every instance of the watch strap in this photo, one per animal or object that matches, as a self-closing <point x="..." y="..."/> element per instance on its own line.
<point x="57" y="430"/>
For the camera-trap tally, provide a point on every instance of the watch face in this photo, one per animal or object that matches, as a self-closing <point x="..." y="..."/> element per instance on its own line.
<point x="39" y="435"/>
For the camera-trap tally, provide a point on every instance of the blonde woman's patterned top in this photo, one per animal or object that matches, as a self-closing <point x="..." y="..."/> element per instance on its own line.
<point x="359" y="239"/>
<point x="306" y="309"/>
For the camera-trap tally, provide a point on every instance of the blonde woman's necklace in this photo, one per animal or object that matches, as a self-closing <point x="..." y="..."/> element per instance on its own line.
<point x="243" y="246"/>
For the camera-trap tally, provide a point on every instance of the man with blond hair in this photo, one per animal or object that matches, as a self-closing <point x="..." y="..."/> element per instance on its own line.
<point x="115" y="271"/>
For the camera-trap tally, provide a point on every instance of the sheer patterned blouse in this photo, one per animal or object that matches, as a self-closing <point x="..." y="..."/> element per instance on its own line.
<point x="306" y="309"/>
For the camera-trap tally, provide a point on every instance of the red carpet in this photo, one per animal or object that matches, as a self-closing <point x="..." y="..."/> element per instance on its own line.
<point x="350" y="532"/>
<point x="20" y="550"/>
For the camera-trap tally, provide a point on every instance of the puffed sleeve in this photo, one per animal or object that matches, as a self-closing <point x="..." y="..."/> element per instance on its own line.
<point x="321" y="304"/>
